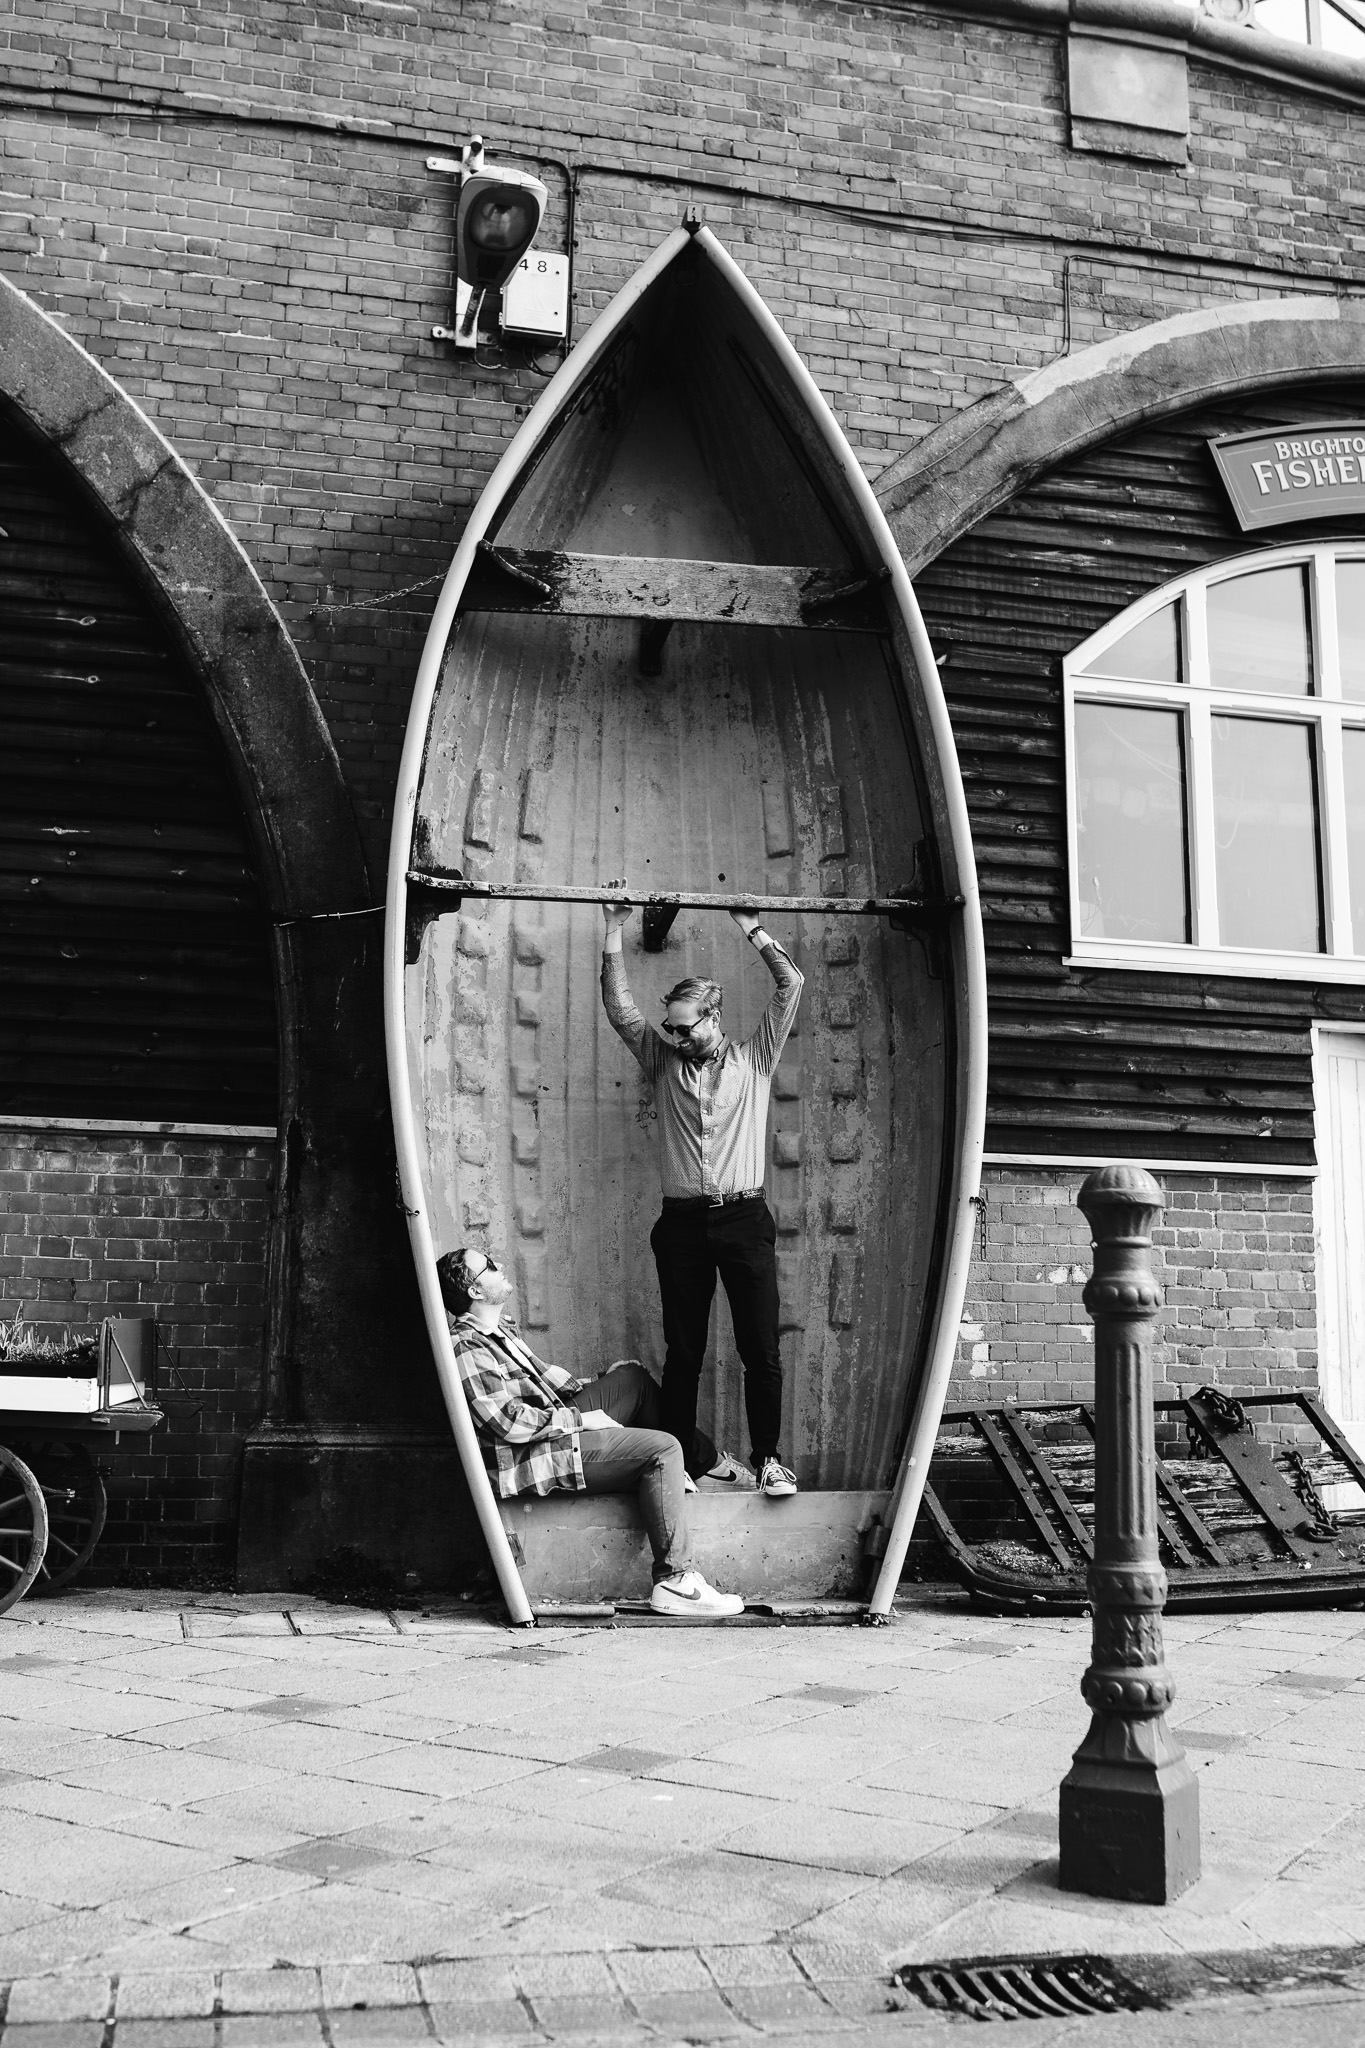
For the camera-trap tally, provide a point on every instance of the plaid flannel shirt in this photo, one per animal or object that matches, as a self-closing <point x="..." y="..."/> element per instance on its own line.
<point x="528" y="1432"/>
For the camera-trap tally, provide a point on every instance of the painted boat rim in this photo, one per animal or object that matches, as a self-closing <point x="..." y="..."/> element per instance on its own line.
<point x="967" y="938"/>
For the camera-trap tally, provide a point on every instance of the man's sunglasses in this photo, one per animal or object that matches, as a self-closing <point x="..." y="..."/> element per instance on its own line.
<point x="682" y="1030"/>
<point x="488" y="1266"/>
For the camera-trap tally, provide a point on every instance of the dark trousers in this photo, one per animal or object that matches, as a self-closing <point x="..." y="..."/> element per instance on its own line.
<point x="639" y="1458"/>
<point x="691" y="1246"/>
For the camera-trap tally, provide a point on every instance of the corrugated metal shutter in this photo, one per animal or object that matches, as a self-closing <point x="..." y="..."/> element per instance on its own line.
<point x="1122" y="1064"/>
<point x="134" y="944"/>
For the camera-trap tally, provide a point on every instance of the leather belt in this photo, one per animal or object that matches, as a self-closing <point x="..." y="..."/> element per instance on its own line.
<point x="713" y="1201"/>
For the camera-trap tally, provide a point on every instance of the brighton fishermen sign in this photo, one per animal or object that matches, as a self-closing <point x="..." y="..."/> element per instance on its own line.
<point x="1313" y="472"/>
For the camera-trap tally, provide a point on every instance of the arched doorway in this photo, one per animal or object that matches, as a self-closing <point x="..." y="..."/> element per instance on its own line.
<point x="266" y="941"/>
<point x="134" y="936"/>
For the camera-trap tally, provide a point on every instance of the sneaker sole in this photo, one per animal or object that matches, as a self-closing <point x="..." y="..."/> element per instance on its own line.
<point x="697" y="1613"/>
<point x="777" y="1492"/>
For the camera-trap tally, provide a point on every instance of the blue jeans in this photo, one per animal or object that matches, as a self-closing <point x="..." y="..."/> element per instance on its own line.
<point x="638" y="1458"/>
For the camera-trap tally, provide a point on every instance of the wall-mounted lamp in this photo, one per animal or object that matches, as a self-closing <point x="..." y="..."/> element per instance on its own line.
<point x="496" y="220"/>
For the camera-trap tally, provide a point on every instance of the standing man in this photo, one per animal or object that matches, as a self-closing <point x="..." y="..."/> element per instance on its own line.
<point x="712" y="1100"/>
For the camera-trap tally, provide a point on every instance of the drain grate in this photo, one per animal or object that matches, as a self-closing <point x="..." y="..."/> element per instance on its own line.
<point x="1023" y="1987"/>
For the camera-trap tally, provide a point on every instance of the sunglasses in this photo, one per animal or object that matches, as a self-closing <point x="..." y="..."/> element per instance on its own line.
<point x="683" y="1030"/>
<point x="488" y="1266"/>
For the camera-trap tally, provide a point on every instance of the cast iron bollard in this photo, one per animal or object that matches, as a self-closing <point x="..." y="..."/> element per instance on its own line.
<point x="1130" y="1802"/>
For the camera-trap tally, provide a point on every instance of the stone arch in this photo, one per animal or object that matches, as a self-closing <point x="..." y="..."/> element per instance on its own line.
<point x="340" y="1291"/>
<point x="983" y="456"/>
<point x="181" y="548"/>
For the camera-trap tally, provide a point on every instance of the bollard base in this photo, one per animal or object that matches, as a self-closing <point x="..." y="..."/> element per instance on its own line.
<point x="1129" y="1833"/>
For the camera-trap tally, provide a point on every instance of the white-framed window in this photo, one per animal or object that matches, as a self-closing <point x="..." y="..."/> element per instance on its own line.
<point x="1336" y="25"/>
<point x="1215" y="772"/>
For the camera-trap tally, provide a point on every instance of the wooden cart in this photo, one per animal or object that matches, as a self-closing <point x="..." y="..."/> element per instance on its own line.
<point x="54" y="1414"/>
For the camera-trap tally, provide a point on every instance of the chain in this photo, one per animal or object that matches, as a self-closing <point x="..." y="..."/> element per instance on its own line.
<point x="1226" y="1409"/>
<point x="1302" y="1481"/>
<point x="369" y="604"/>
<point x="978" y="1202"/>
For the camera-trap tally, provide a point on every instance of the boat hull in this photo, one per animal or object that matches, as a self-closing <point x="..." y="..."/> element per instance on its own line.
<point x="785" y="760"/>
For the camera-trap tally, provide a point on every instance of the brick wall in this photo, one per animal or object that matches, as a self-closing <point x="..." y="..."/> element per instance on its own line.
<point x="94" y="1224"/>
<point x="229" y="206"/>
<point x="1234" y="1257"/>
<point x="267" y="290"/>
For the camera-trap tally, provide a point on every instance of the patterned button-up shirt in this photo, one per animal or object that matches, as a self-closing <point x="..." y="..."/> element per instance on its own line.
<point x="528" y="1432"/>
<point x="713" y="1113"/>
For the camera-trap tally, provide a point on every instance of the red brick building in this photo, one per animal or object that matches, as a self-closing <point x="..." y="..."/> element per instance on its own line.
<point x="1037" y="253"/>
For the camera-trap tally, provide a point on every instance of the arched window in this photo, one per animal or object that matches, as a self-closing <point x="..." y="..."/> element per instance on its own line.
<point x="1216" y="772"/>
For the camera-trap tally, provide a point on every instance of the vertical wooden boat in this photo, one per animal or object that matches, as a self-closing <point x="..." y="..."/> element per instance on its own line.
<point x="677" y="645"/>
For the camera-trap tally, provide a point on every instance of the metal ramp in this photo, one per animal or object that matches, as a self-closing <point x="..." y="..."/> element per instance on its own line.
<point x="1247" y="1519"/>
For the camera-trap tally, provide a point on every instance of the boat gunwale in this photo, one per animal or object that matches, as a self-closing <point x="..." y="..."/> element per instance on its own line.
<point x="966" y="938"/>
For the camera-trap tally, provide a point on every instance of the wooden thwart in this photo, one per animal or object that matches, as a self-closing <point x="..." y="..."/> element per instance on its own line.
<point x="450" y="879"/>
<point x="667" y="588"/>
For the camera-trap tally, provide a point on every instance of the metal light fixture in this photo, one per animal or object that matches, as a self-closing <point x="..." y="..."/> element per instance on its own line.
<point x="496" y="220"/>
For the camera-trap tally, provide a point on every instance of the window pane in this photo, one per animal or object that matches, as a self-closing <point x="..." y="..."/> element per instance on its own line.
<point x="1351" y="627"/>
<point x="1353" y="763"/>
<point x="1265" y="828"/>
<point x="1130" y="824"/>
<point x="1149" y="654"/>
<point x="1288" y="18"/>
<point x="1258" y="632"/>
<point x="1340" y="32"/>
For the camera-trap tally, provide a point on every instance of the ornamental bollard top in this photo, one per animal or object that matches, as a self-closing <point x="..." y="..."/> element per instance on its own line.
<point x="1129" y="1809"/>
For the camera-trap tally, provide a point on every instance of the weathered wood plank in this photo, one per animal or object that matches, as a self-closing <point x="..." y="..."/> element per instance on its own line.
<point x="660" y="587"/>
<point x="1047" y="1117"/>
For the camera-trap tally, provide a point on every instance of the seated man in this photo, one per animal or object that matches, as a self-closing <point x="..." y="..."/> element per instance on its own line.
<point x="536" y="1441"/>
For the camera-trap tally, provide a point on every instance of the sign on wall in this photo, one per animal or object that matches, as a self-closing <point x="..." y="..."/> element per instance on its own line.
<point x="1311" y="472"/>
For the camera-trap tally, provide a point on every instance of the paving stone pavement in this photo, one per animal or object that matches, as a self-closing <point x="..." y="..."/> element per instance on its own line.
<point x="227" y="1823"/>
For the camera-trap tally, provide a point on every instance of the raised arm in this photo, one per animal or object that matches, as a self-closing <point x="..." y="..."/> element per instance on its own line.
<point x="617" y="1000"/>
<point x="777" y="1020"/>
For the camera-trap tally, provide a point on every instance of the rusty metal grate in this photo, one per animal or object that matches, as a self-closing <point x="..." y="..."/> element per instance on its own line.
<point x="1023" y="1987"/>
<point x="1244" y="1518"/>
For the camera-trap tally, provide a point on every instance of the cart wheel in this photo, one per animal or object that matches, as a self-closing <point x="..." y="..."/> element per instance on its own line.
<point x="76" y="1507"/>
<point x="23" y="1528"/>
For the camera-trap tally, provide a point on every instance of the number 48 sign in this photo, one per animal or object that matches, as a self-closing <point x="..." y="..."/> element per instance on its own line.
<point x="535" y="298"/>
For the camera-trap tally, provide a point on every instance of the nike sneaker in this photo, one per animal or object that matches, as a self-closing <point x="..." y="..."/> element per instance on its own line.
<point x="775" y="1480"/>
<point x="727" y="1475"/>
<point x="689" y="1594"/>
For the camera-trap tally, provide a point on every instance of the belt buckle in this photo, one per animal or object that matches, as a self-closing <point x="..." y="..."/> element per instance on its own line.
<point x="715" y="1201"/>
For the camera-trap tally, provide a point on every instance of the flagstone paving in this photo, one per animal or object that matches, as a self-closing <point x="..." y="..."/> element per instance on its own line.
<point x="235" y="1822"/>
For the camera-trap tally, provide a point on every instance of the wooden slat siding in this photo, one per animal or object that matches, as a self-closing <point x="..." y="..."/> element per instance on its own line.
<point x="134" y="946"/>
<point x="1140" y="1064"/>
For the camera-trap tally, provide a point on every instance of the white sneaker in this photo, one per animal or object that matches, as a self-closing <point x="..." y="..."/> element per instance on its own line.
<point x="775" y="1480"/>
<point x="727" y="1475"/>
<point x="690" y="1594"/>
